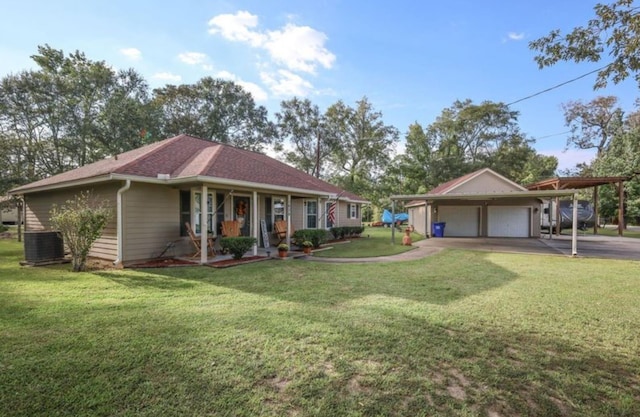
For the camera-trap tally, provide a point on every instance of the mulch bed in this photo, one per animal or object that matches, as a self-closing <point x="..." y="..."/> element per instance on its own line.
<point x="233" y="262"/>
<point x="173" y="262"/>
<point x="164" y="263"/>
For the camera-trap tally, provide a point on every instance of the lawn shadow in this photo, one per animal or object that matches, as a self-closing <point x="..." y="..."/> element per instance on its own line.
<point x="440" y="279"/>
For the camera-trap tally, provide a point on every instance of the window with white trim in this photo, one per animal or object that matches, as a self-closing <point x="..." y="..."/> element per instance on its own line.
<point x="197" y="199"/>
<point x="278" y="208"/>
<point x="352" y="212"/>
<point x="311" y="214"/>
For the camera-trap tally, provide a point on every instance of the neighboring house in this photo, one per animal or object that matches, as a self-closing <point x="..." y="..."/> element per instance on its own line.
<point x="155" y="189"/>
<point x="479" y="204"/>
<point x="8" y="211"/>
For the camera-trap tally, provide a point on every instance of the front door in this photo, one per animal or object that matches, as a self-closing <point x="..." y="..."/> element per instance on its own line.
<point x="242" y="213"/>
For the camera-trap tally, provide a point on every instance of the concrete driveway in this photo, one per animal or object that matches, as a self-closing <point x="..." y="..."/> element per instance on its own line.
<point x="588" y="246"/>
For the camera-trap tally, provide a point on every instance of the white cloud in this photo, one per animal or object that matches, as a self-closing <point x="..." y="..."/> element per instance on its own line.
<point x="286" y="83"/>
<point x="237" y="27"/>
<point x="298" y="48"/>
<point x="193" y="58"/>
<point x="256" y="91"/>
<point x="226" y="75"/>
<point x="207" y="67"/>
<point x="516" y="36"/>
<point x="131" y="53"/>
<point x="167" y="76"/>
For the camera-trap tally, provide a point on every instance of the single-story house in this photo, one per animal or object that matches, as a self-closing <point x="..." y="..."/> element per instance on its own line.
<point x="480" y="204"/>
<point x="154" y="190"/>
<point x="8" y="211"/>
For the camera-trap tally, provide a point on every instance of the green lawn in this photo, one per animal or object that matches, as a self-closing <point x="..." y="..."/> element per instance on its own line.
<point x="375" y="241"/>
<point x="460" y="333"/>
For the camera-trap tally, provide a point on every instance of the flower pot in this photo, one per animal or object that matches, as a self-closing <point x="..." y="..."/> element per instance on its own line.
<point x="307" y="250"/>
<point x="282" y="253"/>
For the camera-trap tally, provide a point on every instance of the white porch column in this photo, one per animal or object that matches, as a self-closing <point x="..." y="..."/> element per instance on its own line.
<point x="427" y="219"/>
<point x="574" y="230"/>
<point x="289" y="220"/>
<point x="254" y="222"/>
<point x="204" y="200"/>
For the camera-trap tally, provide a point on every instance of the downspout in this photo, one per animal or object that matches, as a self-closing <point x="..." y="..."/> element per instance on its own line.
<point x="120" y="223"/>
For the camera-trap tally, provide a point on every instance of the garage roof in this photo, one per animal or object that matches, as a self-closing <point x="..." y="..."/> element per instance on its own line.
<point x="421" y="198"/>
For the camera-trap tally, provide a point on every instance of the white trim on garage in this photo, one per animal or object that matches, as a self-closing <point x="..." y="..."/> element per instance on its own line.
<point x="461" y="221"/>
<point x="509" y="221"/>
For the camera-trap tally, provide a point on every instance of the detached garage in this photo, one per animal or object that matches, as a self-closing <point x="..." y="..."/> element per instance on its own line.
<point x="509" y="221"/>
<point x="479" y="204"/>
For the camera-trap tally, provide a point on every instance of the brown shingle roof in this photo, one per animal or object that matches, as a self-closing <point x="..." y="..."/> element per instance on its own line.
<point x="185" y="156"/>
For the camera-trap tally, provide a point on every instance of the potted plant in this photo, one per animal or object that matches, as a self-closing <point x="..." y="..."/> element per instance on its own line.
<point x="283" y="248"/>
<point x="306" y="246"/>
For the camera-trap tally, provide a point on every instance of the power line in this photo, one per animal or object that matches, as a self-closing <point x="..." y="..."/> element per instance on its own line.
<point x="558" y="85"/>
<point x="552" y="135"/>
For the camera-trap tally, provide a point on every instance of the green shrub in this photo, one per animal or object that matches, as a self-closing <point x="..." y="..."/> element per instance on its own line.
<point x="3" y="228"/>
<point x="81" y="221"/>
<point x="237" y="246"/>
<point x="316" y="236"/>
<point x="346" y="231"/>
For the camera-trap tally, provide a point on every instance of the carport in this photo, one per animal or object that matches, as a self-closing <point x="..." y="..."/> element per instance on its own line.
<point x="560" y="183"/>
<point x="494" y="196"/>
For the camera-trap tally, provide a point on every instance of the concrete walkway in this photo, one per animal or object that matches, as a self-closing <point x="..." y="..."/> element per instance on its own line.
<point x="606" y="247"/>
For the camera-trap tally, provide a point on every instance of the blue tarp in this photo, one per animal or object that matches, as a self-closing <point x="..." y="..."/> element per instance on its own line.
<point x="400" y="217"/>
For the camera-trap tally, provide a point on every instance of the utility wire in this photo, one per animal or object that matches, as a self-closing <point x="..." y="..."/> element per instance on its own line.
<point x="557" y="86"/>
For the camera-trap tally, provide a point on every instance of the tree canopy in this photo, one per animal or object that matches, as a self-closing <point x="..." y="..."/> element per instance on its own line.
<point x="611" y="36"/>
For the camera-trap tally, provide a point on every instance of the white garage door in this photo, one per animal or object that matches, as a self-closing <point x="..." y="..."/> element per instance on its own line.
<point x="508" y="221"/>
<point x="462" y="221"/>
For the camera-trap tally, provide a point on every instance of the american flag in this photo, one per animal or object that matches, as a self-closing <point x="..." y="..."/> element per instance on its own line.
<point x="331" y="216"/>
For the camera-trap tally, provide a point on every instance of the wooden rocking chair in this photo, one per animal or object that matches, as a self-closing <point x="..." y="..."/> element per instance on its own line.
<point x="230" y="228"/>
<point x="280" y="230"/>
<point x="196" y="241"/>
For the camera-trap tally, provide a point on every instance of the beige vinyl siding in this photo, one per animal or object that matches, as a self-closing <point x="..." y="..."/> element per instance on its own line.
<point x="297" y="213"/>
<point x="151" y="216"/>
<point x="343" y="216"/>
<point x="417" y="219"/>
<point x="38" y="207"/>
<point x="486" y="183"/>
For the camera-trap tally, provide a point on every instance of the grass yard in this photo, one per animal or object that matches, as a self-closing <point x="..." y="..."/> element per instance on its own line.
<point x="613" y="231"/>
<point x="460" y="333"/>
<point x="375" y="241"/>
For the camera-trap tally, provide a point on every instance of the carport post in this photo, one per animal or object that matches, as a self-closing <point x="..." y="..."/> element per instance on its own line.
<point x="393" y="222"/>
<point x="574" y="230"/>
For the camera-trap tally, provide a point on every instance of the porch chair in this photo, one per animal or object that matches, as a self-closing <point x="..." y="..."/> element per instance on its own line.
<point x="280" y="230"/>
<point x="196" y="241"/>
<point x="230" y="228"/>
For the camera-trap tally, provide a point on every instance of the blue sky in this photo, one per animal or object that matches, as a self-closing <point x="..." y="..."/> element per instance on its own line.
<point x="410" y="58"/>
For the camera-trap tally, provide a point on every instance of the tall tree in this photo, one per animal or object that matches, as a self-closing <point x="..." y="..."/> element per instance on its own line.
<point x="612" y="35"/>
<point x="363" y="144"/>
<point x="215" y="109"/>
<point x="593" y="124"/>
<point x="70" y="111"/>
<point x="305" y="127"/>
<point x="622" y="158"/>
<point x="466" y="137"/>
